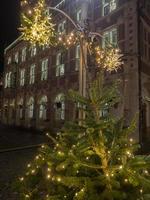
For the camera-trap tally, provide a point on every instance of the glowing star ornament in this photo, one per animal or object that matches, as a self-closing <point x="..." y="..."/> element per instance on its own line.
<point x="38" y="28"/>
<point x="109" y="59"/>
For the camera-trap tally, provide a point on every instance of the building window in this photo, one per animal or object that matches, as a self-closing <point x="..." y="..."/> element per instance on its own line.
<point x="79" y="15"/>
<point x="9" y="60"/>
<point x="33" y="51"/>
<point x="62" y="27"/>
<point x="16" y="57"/>
<point x="23" y="56"/>
<point x="32" y="74"/>
<point x="43" y="108"/>
<point x="22" y="77"/>
<point x="108" y="6"/>
<point x="77" y="57"/>
<point x="30" y="108"/>
<point x="44" y="70"/>
<point x="60" y="67"/>
<point x="8" y="79"/>
<point x="20" y="109"/>
<point x="60" y="107"/>
<point x="110" y="37"/>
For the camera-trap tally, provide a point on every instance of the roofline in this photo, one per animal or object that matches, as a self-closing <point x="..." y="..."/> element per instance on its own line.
<point x="13" y="43"/>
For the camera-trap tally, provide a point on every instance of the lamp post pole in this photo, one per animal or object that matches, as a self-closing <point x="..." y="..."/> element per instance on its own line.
<point x="83" y="54"/>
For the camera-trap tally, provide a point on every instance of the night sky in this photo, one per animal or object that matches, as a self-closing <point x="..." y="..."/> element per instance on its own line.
<point x="9" y="23"/>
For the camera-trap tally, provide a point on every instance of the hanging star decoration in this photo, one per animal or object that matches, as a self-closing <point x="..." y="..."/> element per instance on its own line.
<point x="109" y="58"/>
<point x="37" y="28"/>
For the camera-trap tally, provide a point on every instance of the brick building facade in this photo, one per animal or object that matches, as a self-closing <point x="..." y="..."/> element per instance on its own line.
<point x="36" y="79"/>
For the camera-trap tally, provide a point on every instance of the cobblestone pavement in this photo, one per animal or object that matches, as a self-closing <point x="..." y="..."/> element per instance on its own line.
<point x="13" y="163"/>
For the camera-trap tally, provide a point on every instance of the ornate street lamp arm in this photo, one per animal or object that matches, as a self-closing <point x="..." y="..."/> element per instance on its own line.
<point x="77" y="26"/>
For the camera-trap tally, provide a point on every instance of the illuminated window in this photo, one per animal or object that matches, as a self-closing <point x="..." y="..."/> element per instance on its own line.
<point x="62" y="27"/>
<point x="23" y="55"/>
<point x="22" y="77"/>
<point x="9" y="60"/>
<point x="110" y="37"/>
<point x="60" y="107"/>
<point x="108" y="6"/>
<point x="32" y="74"/>
<point x="44" y="70"/>
<point x="20" y="108"/>
<point x="8" y="80"/>
<point x="16" y="57"/>
<point x="60" y="67"/>
<point x="77" y="57"/>
<point x="79" y="15"/>
<point x="43" y="108"/>
<point x="33" y="51"/>
<point x="30" y="108"/>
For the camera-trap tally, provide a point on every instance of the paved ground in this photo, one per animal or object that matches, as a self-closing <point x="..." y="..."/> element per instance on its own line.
<point x="13" y="163"/>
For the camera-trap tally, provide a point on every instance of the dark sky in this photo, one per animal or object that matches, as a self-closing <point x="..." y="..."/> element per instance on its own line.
<point x="9" y="22"/>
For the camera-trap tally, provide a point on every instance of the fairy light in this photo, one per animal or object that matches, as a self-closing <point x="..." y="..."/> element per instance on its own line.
<point x="141" y="191"/>
<point x="120" y="167"/>
<point x="37" y="157"/>
<point x="29" y="165"/>
<point x="48" y="169"/>
<point x="22" y="179"/>
<point x="48" y="176"/>
<point x="145" y="171"/>
<point x="33" y="171"/>
<point x="125" y="180"/>
<point x="29" y="12"/>
<point x="131" y="139"/>
<point x="58" y="179"/>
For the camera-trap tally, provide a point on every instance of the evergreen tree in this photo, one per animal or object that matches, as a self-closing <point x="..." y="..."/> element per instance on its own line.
<point x="93" y="159"/>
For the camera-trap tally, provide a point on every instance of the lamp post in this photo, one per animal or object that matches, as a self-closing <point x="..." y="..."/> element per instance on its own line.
<point x="83" y="53"/>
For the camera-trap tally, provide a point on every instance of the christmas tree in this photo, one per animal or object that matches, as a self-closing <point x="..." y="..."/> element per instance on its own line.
<point x="91" y="159"/>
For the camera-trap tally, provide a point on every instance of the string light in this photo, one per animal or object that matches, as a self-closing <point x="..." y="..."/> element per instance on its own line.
<point x="22" y="179"/>
<point x="120" y="167"/>
<point x="126" y="180"/>
<point x="48" y="176"/>
<point x="33" y="171"/>
<point x="29" y="165"/>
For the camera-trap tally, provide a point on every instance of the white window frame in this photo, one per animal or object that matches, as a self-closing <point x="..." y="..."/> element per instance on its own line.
<point x="108" y="37"/>
<point x="32" y="74"/>
<point x="33" y="51"/>
<point x="30" y="108"/>
<point x="43" y="108"/>
<point x="22" y="77"/>
<point x="44" y="69"/>
<point x="79" y="15"/>
<point x="112" y="6"/>
<point x="16" y="57"/>
<point x="9" y="60"/>
<point x="62" y="27"/>
<point x="23" y="54"/>
<point x="8" y="77"/>
<point x="60" y="112"/>
<point x="60" y="67"/>
<point x="6" y="80"/>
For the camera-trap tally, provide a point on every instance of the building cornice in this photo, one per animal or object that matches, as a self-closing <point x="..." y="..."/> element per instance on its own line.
<point x="12" y="44"/>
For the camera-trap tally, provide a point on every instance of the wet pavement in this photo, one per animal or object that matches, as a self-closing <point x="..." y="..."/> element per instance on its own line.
<point x="13" y="163"/>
